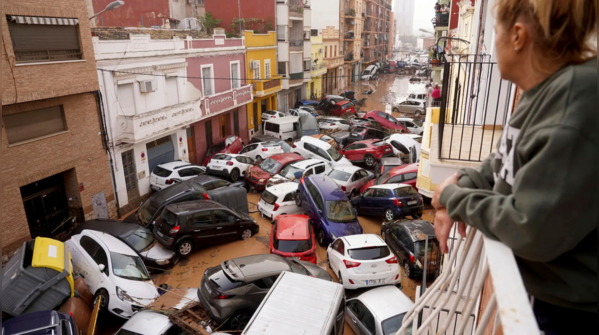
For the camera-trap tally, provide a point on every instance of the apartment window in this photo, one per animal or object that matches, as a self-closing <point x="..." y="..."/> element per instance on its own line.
<point x="326" y="53"/>
<point x="267" y="69"/>
<point x="126" y="98"/>
<point x="257" y="70"/>
<point x="34" y="124"/>
<point x="307" y="65"/>
<point x="172" y="91"/>
<point x="208" y="80"/>
<point x="235" y="75"/>
<point x="44" y="39"/>
<point x="281" y="32"/>
<point x="314" y="32"/>
<point x="335" y="51"/>
<point x="282" y="67"/>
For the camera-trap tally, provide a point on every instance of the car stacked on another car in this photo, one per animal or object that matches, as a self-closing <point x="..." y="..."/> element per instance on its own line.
<point x="405" y="174"/>
<point x="229" y="165"/>
<point x="185" y="226"/>
<point x="350" y="178"/>
<point x="261" y="150"/>
<point x="258" y="175"/>
<point x="42" y="323"/>
<point x="231" y="145"/>
<point x="310" y="147"/>
<point x="326" y="139"/>
<point x="329" y="101"/>
<point x="368" y="152"/>
<point x="269" y="114"/>
<point x="234" y="290"/>
<point x="167" y="174"/>
<point x="279" y="200"/>
<point x="342" y="107"/>
<point x="328" y="207"/>
<point x="301" y="168"/>
<point x="390" y="201"/>
<point x="363" y="261"/>
<point x="387" y="121"/>
<point x="330" y="123"/>
<point x="386" y="164"/>
<point x="360" y="133"/>
<point x="292" y="237"/>
<point x="411" y="125"/>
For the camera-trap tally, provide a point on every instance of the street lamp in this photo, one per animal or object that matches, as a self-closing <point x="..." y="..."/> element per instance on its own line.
<point x="111" y="6"/>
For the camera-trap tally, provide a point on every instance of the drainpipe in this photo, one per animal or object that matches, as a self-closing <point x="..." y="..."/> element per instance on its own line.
<point x="105" y="142"/>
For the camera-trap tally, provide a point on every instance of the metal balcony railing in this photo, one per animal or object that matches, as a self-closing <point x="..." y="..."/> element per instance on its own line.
<point x="318" y="66"/>
<point x="296" y="43"/>
<point x="349" y="57"/>
<point x="449" y="306"/>
<point x="475" y="104"/>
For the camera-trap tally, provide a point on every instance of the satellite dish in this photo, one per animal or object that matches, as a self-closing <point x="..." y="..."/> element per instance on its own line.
<point x="190" y="23"/>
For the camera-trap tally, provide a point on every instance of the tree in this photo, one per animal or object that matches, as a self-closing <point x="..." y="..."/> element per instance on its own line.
<point x="209" y="22"/>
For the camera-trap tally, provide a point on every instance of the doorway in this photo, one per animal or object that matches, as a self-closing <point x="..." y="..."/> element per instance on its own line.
<point x="222" y="125"/>
<point x="130" y="172"/>
<point x="312" y="93"/>
<point x="191" y="146"/>
<point x="255" y="117"/>
<point x="160" y="151"/>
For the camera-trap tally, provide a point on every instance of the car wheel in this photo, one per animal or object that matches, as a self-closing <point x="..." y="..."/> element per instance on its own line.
<point x="234" y="175"/>
<point x="239" y="321"/>
<point x="369" y="160"/>
<point x="184" y="248"/>
<point x="258" y="158"/>
<point x="298" y="199"/>
<point x="389" y="214"/>
<point x="246" y="233"/>
<point x="321" y="238"/>
<point x="418" y="113"/>
<point x="395" y="110"/>
<point x="407" y="269"/>
<point x="104" y="303"/>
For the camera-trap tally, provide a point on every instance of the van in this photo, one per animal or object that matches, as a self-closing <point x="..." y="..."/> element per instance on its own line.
<point x="370" y="73"/>
<point x="284" y="128"/>
<point x="299" y="304"/>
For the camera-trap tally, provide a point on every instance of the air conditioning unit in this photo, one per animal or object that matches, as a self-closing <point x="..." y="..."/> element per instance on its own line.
<point x="254" y="65"/>
<point x="147" y="86"/>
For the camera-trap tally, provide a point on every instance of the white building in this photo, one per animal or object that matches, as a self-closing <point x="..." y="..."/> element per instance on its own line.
<point x="404" y="13"/>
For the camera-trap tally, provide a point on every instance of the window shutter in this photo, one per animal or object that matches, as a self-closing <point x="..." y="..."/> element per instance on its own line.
<point x="35" y="43"/>
<point x="25" y="126"/>
<point x="172" y="91"/>
<point x="126" y="98"/>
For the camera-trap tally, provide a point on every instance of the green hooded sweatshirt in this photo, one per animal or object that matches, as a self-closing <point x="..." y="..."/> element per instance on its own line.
<point x="538" y="193"/>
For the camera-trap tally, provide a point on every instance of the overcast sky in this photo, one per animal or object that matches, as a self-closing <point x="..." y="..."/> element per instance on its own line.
<point x="423" y="14"/>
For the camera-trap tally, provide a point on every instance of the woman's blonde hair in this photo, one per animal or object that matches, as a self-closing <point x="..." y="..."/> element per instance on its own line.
<point x="563" y="30"/>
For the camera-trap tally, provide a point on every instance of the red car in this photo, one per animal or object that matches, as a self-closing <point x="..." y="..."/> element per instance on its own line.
<point x="231" y="145"/>
<point x="369" y="151"/>
<point x="259" y="175"/>
<point x="386" y="120"/>
<point x="292" y="237"/>
<point x="342" y="107"/>
<point x="405" y="174"/>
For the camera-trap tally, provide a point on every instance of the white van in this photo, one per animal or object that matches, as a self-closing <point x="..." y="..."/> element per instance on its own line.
<point x="370" y="73"/>
<point x="298" y="304"/>
<point x="284" y="128"/>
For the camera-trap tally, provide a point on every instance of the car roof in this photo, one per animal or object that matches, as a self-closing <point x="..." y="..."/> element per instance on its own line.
<point x="147" y="322"/>
<point x="250" y="268"/>
<point x="192" y="206"/>
<point x="386" y="301"/>
<point x="204" y="178"/>
<point x="263" y="138"/>
<point x="282" y="189"/>
<point x="404" y="169"/>
<point x="328" y="188"/>
<point x="282" y="120"/>
<point x="287" y="158"/>
<point x="334" y="118"/>
<point x="418" y="229"/>
<point x="303" y="164"/>
<point x="405" y="119"/>
<point x="293" y="227"/>
<point x="113" y="227"/>
<point x="173" y="165"/>
<point x="362" y="240"/>
<point x="316" y="142"/>
<point x="112" y="243"/>
<point x="342" y="102"/>
<point x="391" y="161"/>
<point x="347" y="168"/>
<point x="371" y="141"/>
<point x="390" y="186"/>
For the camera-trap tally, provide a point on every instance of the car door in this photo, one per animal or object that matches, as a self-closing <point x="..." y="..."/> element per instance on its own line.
<point x="250" y="151"/>
<point x="83" y="253"/>
<point x="365" y="204"/>
<point x="362" y="179"/>
<point x="257" y="290"/>
<point x="203" y="230"/>
<point x="228" y="225"/>
<point x="242" y="163"/>
<point x="379" y="202"/>
<point x="351" y="151"/>
<point x="334" y="255"/>
<point x="410" y="179"/>
<point x="359" y="318"/>
<point x="288" y="205"/>
<point x="402" y="240"/>
<point x="318" y="206"/>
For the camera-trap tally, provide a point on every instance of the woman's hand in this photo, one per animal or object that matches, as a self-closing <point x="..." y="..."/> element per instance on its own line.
<point x="441" y="187"/>
<point x="443" y="225"/>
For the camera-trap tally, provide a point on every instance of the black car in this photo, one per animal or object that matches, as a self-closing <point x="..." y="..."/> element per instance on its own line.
<point x="407" y="240"/>
<point x="43" y="322"/>
<point x="137" y="237"/>
<point x="363" y="133"/>
<point x="199" y="188"/>
<point x="188" y="225"/>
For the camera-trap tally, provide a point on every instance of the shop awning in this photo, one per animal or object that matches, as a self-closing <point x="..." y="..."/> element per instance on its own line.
<point x="54" y="21"/>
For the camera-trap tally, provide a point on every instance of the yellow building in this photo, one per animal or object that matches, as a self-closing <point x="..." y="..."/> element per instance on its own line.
<point x="319" y="68"/>
<point x="261" y="67"/>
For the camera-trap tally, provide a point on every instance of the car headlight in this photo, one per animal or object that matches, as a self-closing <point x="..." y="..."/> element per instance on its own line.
<point x="121" y="294"/>
<point x="162" y="261"/>
<point x="261" y="180"/>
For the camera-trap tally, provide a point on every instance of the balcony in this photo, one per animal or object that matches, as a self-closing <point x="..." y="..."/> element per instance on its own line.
<point x="295" y="76"/>
<point x="266" y="87"/>
<point x="441" y="21"/>
<point x="349" y="13"/>
<point x="319" y="69"/>
<point x="451" y="304"/>
<point x="349" y="35"/>
<point x="296" y="9"/>
<point x="349" y="57"/>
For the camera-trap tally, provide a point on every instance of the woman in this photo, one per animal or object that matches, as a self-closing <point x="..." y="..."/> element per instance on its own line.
<point x="436" y="94"/>
<point x="538" y="193"/>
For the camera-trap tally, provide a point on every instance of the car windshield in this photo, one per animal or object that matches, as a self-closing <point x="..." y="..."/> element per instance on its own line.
<point x="335" y="155"/>
<point x="420" y="247"/>
<point x="270" y="165"/>
<point x="382" y="179"/>
<point x="370" y="253"/>
<point x="161" y="172"/>
<point x="140" y="239"/>
<point x="393" y="324"/>
<point x="340" y="175"/>
<point x="289" y="171"/>
<point x="128" y="267"/>
<point x="386" y="168"/>
<point x="291" y="246"/>
<point x="218" y="147"/>
<point x="404" y="191"/>
<point x="146" y="211"/>
<point x="340" y="211"/>
<point x="169" y="218"/>
<point x="269" y="198"/>
<point x="222" y="157"/>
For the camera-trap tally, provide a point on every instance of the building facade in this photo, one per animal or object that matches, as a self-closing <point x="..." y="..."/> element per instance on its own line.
<point x="377" y="32"/>
<point x="261" y="62"/>
<point x="55" y="170"/>
<point x="404" y="12"/>
<point x="326" y="17"/>
<point x="352" y="25"/>
<point x="319" y="66"/>
<point x="167" y="99"/>
<point x="257" y="15"/>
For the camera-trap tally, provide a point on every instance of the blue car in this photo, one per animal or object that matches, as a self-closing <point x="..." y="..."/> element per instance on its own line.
<point x="391" y="201"/>
<point x="44" y="322"/>
<point x="328" y="207"/>
<point x="310" y="103"/>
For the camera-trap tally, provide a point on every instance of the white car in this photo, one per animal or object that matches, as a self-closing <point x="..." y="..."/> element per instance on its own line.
<point x="263" y="150"/>
<point x="410" y="106"/>
<point x="411" y="125"/>
<point x="167" y="174"/>
<point x="268" y="114"/>
<point x="363" y="261"/>
<point x="333" y="123"/>
<point x="417" y="138"/>
<point x="350" y="178"/>
<point x="310" y="147"/>
<point x="229" y="165"/>
<point x="149" y="323"/>
<point x="380" y="311"/>
<point x="305" y="167"/>
<point x="405" y="144"/>
<point x="112" y="270"/>
<point x="299" y="112"/>
<point x="279" y="199"/>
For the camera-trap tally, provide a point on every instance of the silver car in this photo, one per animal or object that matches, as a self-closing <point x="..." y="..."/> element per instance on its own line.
<point x="350" y="178"/>
<point x="416" y="107"/>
